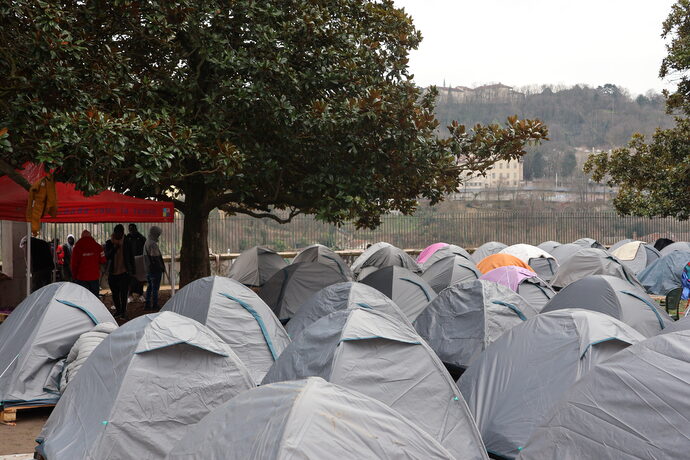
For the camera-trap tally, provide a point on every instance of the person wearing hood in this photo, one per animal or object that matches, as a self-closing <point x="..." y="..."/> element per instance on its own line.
<point x="67" y="249"/>
<point x="87" y="258"/>
<point x="155" y="267"/>
<point x="120" y="261"/>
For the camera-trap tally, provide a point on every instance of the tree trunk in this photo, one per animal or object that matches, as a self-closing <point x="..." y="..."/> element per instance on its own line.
<point x="194" y="262"/>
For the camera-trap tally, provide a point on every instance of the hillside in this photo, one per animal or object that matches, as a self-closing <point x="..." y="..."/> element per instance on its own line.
<point x="580" y="118"/>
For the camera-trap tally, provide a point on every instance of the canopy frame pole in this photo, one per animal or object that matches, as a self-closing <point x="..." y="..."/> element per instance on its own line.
<point x="28" y="259"/>
<point x="172" y="259"/>
<point x="55" y="262"/>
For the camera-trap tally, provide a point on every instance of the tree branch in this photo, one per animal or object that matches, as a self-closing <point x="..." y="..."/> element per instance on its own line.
<point x="234" y="209"/>
<point x="9" y="171"/>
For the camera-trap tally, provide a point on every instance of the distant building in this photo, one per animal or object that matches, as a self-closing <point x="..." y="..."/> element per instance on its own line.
<point x="505" y="174"/>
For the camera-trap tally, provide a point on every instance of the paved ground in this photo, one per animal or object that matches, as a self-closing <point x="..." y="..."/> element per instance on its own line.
<point x="20" y="439"/>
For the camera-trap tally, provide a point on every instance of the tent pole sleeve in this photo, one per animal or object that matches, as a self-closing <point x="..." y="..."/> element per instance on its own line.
<point x="28" y="259"/>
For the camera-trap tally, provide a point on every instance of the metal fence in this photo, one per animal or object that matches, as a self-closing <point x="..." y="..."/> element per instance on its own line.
<point x="234" y="234"/>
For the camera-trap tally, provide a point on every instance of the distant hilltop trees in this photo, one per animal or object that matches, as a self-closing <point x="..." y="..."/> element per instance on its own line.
<point x="580" y="118"/>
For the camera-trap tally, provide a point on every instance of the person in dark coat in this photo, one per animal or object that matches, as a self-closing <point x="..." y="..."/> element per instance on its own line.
<point x="117" y="255"/>
<point x="135" y="248"/>
<point x="67" y="249"/>
<point x="155" y="267"/>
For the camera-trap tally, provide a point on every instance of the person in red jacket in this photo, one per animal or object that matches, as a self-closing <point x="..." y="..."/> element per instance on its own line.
<point x="87" y="257"/>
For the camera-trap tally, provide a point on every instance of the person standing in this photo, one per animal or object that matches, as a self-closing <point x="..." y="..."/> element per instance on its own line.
<point x="135" y="242"/>
<point x="153" y="261"/>
<point x="86" y="262"/>
<point x="67" y="255"/>
<point x="117" y="254"/>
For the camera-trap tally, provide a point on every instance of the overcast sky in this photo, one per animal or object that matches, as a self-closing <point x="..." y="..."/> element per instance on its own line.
<point x="523" y="42"/>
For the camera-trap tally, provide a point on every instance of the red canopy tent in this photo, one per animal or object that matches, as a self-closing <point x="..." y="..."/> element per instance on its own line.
<point x="73" y="206"/>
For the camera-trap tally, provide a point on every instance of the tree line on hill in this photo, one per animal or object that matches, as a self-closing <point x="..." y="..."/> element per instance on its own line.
<point x="580" y="116"/>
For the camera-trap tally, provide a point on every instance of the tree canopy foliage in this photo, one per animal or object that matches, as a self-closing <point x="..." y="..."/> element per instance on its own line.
<point x="654" y="178"/>
<point x="269" y="108"/>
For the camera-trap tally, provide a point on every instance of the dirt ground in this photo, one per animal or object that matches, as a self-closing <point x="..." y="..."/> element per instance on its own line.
<point x="20" y="438"/>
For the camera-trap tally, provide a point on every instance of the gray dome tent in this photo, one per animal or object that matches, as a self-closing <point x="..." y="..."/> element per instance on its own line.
<point x="255" y="266"/>
<point x="487" y="249"/>
<point x="306" y="419"/>
<point x="409" y="291"/>
<point x="589" y="243"/>
<point x="449" y="271"/>
<point x="636" y="255"/>
<point x="140" y="389"/>
<point x="37" y="337"/>
<point x="665" y="274"/>
<point x="323" y="255"/>
<point x="635" y="405"/>
<point x="381" y="255"/>
<point x="549" y="246"/>
<point x="620" y="243"/>
<point x="616" y="298"/>
<point x="677" y="246"/>
<point x="525" y="372"/>
<point x="591" y="261"/>
<point x="238" y="316"/>
<point x="446" y="251"/>
<point x="383" y="358"/>
<point x="290" y="287"/>
<point x="563" y="252"/>
<point x="543" y="263"/>
<point x="465" y="318"/>
<point x="342" y="296"/>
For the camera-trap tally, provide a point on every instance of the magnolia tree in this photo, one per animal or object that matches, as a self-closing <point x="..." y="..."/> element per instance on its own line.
<point x="654" y="177"/>
<point x="267" y="108"/>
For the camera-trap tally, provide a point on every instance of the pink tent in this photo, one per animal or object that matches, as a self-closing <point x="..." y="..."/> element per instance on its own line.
<point x="509" y="276"/>
<point x="429" y="251"/>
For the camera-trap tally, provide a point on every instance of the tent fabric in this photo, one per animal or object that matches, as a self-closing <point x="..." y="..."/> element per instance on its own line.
<point x="293" y="285"/>
<point x="530" y="287"/>
<point x="450" y="270"/>
<point x="636" y="255"/>
<point x="324" y="255"/>
<point x="342" y="296"/>
<point x="564" y="252"/>
<point x="635" y="405"/>
<point x="549" y="246"/>
<point x="592" y="261"/>
<point x="238" y="316"/>
<point x="500" y="260"/>
<point x="677" y="246"/>
<point x="526" y="372"/>
<point x="620" y="243"/>
<point x="407" y="290"/>
<point x="446" y="251"/>
<point x="256" y="265"/>
<point x="428" y="251"/>
<point x="664" y="275"/>
<point x="140" y="389"/>
<point x="306" y="419"/>
<point x="37" y="337"/>
<point x="73" y="206"/>
<point x="487" y="249"/>
<point x="465" y="318"/>
<point x="382" y="255"/>
<point x="614" y="297"/>
<point x="589" y="243"/>
<point x="379" y="356"/>
<point x="543" y="263"/>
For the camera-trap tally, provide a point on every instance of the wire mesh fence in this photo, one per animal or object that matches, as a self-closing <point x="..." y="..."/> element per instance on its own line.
<point x="234" y="234"/>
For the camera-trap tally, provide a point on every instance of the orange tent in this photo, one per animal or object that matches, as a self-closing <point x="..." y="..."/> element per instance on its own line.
<point x="500" y="260"/>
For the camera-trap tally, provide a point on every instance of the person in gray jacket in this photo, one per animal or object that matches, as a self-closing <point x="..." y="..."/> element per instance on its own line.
<point x="153" y="262"/>
<point x="82" y="348"/>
